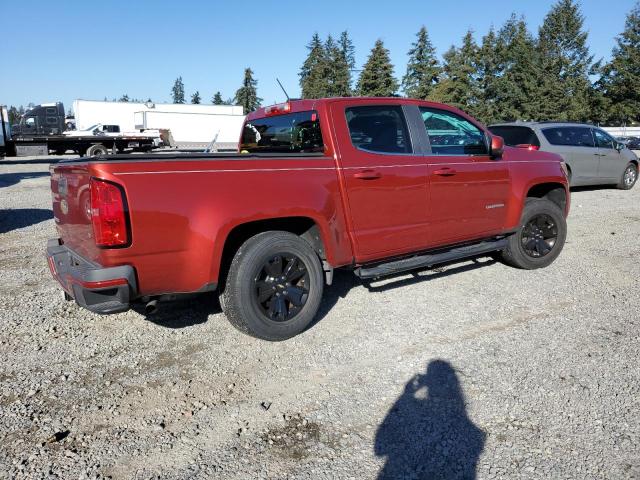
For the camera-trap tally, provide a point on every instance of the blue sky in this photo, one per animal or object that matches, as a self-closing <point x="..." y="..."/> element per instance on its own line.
<point x="78" y="49"/>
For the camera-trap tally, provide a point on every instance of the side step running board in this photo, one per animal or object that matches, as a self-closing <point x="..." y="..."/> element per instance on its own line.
<point x="428" y="260"/>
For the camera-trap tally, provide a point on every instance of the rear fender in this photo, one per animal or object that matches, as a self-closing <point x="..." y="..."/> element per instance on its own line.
<point x="332" y="244"/>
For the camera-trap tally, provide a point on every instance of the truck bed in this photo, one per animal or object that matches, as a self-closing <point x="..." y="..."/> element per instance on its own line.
<point x="183" y="206"/>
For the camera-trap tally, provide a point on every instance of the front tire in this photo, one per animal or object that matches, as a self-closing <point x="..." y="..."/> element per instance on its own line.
<point x="629" y="177"/>
<point x="540" y="236"/>
<point x="274" y="286"/>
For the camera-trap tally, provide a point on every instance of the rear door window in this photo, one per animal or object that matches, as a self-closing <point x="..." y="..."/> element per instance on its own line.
<point x="516" y="135"/>
<point x="569" y="136"/>
<point x="380" y="129"/>
<point x="291" y="133"/>
<point x="452" y="134"/>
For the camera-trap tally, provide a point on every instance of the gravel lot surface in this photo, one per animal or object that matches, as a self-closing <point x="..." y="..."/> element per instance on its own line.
<point x="478" y="369"/>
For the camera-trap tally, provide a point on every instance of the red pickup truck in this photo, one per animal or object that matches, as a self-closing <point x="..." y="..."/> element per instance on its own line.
<point x="374" y="185"/>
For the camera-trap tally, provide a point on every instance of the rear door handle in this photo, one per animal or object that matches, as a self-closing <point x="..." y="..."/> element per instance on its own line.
<point x="445" y="172"/>
<point x="367" y="175"/>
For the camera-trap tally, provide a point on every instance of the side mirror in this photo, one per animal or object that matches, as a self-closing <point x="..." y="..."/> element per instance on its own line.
<point x="619" y="146"/>
<point x="497" y="147"/>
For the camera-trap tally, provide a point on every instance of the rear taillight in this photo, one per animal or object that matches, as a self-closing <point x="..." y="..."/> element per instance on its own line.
<point x="528" y="146"/>
<point x="109" y="214"/>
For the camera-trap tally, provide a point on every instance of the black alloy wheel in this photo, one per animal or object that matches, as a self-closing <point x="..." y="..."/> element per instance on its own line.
<point x="281" y="287"/>
<point x="539" y="236"/>
<point x="274" y="286"/>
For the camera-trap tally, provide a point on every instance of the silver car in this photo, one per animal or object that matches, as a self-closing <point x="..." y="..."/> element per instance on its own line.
<point x="593" y="157"/>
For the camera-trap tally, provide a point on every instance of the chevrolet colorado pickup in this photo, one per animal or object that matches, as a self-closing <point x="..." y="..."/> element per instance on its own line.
<point x="375" y="185"/>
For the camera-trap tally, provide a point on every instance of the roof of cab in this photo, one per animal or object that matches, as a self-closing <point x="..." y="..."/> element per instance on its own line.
<point x="303" y="105"/>
<point x="546" y="123"/>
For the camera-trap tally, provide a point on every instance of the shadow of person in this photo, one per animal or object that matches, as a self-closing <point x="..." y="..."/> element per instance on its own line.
<point x="427" y="433"/>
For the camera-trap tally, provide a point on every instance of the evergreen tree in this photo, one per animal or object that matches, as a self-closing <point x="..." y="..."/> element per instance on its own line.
<point x="247" y="95"/>
<point x="314" y="71"/>
<point x="347" y="49"/>
<point x="376" y="78"/>
<point x="195" y="98"/>
<point x="566" y="62"/>
<point x="14" y="115"/>
<point x="217" y="99"/>
<point x="620" y="81"/>
<point x="518" y="85"/>
<point x="338" y="73"/>
<point x="423" y="69"/>
<point x="459" y="85"/>
<point x="348" y="52"/>
<point x="177" y="92"/>
<point x="124" y="98"/>
<point x="488" y="73"/>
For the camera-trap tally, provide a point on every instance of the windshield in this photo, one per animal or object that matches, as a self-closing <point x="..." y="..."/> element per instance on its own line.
<point x="292" y="133"/>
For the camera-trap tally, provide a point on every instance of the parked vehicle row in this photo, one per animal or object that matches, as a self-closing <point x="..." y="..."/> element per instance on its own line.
<point x="374" y="185"/>
<point x="632" y="143"/>
<point x="592" y="156"/>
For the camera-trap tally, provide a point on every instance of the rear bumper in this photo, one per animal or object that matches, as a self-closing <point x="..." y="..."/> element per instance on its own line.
<point x="98" y="289"/>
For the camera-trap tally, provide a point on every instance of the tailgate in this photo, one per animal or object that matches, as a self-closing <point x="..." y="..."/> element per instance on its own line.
<point x="72" y="208"/>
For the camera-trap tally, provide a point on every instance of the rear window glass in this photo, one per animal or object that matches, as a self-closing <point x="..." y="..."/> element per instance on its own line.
<point x="569" y="136"/>
<point x="378" y="129"/>
<point x="291" y="133"/>
<point x="516" y="135"/>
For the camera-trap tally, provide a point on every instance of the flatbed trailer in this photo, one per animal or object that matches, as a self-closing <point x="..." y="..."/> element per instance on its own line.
<point x="40" y="132"/>
<point x="86" y="145"/>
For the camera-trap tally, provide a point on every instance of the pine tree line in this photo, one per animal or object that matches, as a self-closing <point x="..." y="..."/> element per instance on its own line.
<point x="510" y="75"/>
<point x="246" y="95"/>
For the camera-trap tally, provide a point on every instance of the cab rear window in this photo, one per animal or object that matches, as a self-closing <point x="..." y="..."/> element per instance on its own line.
<point x="291" y="133"/>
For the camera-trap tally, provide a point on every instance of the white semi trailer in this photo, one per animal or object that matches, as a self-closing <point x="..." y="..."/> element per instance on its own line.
<point x="191" y="126"/>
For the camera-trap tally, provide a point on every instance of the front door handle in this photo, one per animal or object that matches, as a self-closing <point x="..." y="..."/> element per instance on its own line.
<point x="367" y="175"/>
<point x="445" y="172"/>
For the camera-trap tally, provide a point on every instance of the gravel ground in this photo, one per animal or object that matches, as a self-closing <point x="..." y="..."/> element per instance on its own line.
<point x="476" y="369"/>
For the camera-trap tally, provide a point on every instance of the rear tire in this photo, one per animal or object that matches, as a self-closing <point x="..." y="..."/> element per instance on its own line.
<point x="540" y="236"/>
<point x="629" y="177"/>
<point x="98" y="149"/>
<point x="274" y="286"/>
